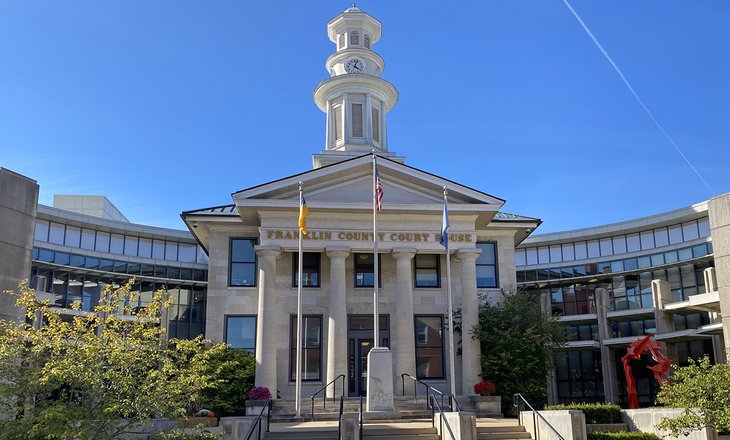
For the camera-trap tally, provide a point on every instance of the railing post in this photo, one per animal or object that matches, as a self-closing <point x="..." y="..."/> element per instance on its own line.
<point x="312" y="409"/>
<point x="268" y="415"/>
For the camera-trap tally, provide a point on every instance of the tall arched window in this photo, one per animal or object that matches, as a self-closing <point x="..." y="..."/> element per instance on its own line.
<point x="354" y="38"/>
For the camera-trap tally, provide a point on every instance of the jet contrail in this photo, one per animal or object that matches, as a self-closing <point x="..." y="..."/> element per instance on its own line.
<point x="633" y="92"/>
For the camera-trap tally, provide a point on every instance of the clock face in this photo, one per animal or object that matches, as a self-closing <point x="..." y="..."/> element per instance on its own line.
<point x="355" y="66"/>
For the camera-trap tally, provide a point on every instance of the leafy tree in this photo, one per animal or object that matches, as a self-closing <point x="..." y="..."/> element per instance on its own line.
<point x="96" y="375"/>
<point x="518" y="343"/>
<point x="703" y="390"/>
<point x="236" y="370"/>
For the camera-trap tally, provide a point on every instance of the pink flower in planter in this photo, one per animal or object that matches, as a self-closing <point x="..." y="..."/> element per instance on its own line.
<point x="259" y="393"/>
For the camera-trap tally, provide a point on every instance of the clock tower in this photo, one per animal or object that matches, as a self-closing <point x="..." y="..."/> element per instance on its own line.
<point x="355" y="98"/>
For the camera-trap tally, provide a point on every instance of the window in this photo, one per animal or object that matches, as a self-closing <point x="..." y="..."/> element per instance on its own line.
<point x="88" y="239"/>
<point x="170" y="251"/>
<point x="357" y="120"/>
<point x="311" y="347"/>
<point x="310" y="269"/>
<point x="41" y="230"/>
<point x="158" y="249"/>
<point x="427" y="270"/>
<point x="241" y="332"/>
<point x="366" y="40"/>
<point x="73" y="236"/>
<point x="556" y="255"/>
<point x="354" y="38"/>
<point x="338" y="122"/>
<point x="487" y="265"/>
<point x="568" y="254"/>
<point x="429" y="347"/>
<point x="56" y="233"/>
<point x="520" y="257"/>
<point x="102" y="241"/>
<point x="365" y="270"/>
<point x="341" y="41"/>
<point x="130" y="246"/>
<point x="186" y="253"/>
<point x="243" y="262"/>
<point x="117" y="244"/>
<point x="145" y="247"/>
<point x="376" y="123"/>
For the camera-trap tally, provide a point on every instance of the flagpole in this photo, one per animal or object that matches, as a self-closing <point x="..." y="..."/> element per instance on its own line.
<point x="452" y="368"/>
<point x="376" y="319"/>
<point x="298" y="391"/>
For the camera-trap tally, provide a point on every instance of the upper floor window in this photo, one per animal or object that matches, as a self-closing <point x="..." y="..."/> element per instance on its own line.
<point x="366" y="40"/>
<point x="241" y="332"/>
<point x="243" y="262"/>
<point x="376" y="123"/>
<point x="365" y="270"/>
<point x="487" y="265"/>
<point x="354" y="38"/>
<point x="310" y="269"/>
<point x="357" y="124"/>
<point x="337" y="110"/>
<point x="427" y="270"/>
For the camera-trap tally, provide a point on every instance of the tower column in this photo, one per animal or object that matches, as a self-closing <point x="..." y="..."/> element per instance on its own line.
<point x="266" y="334"/>
<point x="337" y="321"/>
<point x="404" y="341"/>
<point x="470" y="347"/>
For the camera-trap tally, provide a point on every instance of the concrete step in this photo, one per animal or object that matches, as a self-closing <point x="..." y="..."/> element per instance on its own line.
<point x="503" y="435"/>
<point x="501" y="428"/>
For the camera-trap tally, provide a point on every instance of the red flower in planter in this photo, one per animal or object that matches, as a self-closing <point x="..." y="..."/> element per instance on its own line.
<point x="485" y="388"/>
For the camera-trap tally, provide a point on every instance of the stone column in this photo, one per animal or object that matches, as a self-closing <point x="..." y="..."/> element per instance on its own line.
<point x="266" y="335"/>
<point x="470" y="349"/>
<point x="404" y="343"/>
<point x="608" y="364"/>
<point x="719" y="212"/>
<point x="337" y="323"/>
<point x="662" y="295"/>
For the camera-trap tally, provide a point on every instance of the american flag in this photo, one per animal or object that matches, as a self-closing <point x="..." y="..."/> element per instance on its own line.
<point x="378" y="191"/>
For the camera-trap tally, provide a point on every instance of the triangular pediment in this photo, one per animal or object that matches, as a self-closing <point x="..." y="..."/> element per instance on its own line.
<point x="349" y="185"/>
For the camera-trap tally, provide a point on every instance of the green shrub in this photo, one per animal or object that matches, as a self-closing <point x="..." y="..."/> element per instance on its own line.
<point x="236" y="369"/>
<point x="622" y="436"/>
<point x="596" y="413"/>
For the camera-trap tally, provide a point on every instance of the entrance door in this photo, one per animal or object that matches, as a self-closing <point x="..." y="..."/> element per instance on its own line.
<point x="360" y="342"/>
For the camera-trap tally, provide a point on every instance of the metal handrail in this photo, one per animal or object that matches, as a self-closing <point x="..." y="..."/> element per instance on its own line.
<point x="324" y="399"/>
<point x="441" y="419"/>
<point x="257" y="422"/>
<point x="339" y="423"/>
<point x="415" y="389"/>
<point x="452" y="401"/>
<point x="516" y="402"/>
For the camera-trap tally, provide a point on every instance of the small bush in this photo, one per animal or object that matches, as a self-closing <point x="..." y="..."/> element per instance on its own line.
<point x="596" y="413"/>
<point x="622" y="436"/>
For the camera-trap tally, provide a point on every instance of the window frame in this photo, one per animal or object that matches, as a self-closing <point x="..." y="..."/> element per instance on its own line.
<point x="416" y="346"/>
<point x="295" y="269"/>
<point x="255" y="330"/>
<point x="415" y="272"/>
<point x="356" y="271"/>
<point x="255" y="262"/>
<point x="293" y="348"/>
<point x="495" y="265"/>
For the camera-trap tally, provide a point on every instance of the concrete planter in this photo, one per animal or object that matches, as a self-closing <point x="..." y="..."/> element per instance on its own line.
<point x="253" y="407"/>
<point x="487" y="404"/>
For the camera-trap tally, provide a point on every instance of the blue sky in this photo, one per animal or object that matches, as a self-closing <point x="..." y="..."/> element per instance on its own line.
<point x="173" y="105"/>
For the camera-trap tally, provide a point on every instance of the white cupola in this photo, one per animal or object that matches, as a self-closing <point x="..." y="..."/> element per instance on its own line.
<point x="355" y="98"/>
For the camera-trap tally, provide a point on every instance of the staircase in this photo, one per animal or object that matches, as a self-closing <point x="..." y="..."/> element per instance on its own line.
<point x="387" y="431"/>
<point x="501" y="431"/>
<point x="405" y="409"/>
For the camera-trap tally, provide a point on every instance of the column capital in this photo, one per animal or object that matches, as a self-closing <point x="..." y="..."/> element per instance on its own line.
<point x="404" y="253"/>
<point x="267" y="250"/>
<point x="338" y="251"/>
<point x="468" y="254"/>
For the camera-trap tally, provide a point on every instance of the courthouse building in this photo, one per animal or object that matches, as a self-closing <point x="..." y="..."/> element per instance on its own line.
<point x="233" y="274"/>
<point x="252" y="246"/>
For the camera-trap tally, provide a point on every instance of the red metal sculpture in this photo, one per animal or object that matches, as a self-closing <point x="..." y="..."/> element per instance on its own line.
<point x="634" y="352"/>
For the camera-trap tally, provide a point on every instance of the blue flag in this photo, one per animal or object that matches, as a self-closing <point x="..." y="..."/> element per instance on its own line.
<point x="445" y="226"/>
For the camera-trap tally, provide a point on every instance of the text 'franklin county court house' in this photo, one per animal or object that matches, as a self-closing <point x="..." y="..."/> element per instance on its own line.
<point x="233" y="275"/>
